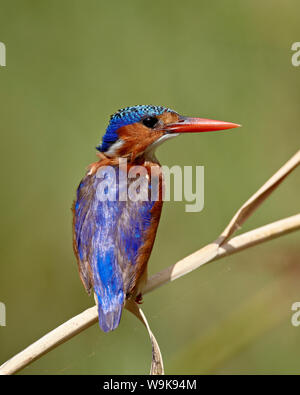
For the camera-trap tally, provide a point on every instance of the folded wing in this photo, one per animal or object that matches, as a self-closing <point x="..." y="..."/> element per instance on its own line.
<point x="108" y="238"/>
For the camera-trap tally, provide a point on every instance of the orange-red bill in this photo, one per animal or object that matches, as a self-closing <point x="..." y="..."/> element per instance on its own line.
<point x="196" y="125"/>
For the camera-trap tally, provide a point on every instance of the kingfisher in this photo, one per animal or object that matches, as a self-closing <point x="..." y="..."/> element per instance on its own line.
<point x="113" y="232"/>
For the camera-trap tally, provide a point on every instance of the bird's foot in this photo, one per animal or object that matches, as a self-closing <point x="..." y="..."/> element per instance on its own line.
<point x="139" y="299"/>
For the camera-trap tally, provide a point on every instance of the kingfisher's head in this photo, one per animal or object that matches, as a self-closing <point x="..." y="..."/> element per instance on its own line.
<point x="140" y="129"/>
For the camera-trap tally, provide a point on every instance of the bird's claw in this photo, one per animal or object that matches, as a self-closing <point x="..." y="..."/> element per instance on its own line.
<point x="139" y="299"/>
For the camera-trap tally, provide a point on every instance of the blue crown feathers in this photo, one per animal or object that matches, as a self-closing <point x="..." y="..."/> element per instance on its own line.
<point x="127" y="116"/>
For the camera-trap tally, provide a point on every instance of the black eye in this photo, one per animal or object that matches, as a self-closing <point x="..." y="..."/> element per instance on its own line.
<point x="150" y="122"/>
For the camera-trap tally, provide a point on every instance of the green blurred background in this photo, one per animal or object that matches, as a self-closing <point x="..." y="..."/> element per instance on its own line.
<point x="70" y="64"/>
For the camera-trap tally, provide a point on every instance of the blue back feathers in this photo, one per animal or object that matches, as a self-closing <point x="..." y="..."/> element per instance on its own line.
<point x="109" y="235"/>
<point x="127" y="116"/>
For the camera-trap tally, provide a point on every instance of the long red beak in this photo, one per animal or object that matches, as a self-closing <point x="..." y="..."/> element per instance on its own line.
<point x="195" y="125"/>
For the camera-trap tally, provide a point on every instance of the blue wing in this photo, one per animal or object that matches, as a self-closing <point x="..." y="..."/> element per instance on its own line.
<point x="107" y="238"/>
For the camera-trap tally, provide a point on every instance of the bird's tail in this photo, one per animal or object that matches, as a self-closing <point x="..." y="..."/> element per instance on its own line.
<point x="109" y="320"/>
<point x="109" y="315"/>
